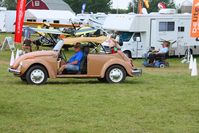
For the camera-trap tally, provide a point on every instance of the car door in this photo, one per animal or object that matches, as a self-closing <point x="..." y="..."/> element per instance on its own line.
<point x="95" y="63"/>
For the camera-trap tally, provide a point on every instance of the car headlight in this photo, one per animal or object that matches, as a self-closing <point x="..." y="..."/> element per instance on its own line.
<point x="20" y="66"/>
<point x="21" y="63"/>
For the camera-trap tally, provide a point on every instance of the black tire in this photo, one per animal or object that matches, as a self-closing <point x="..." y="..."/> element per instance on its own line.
<point x="103" y="80"/>
<point x="128" y="54"/>
<point x="23" y="78"/>
<point x="122" y="73"/>
<point x="43" y="77"/>
<point x="162" y="65"/>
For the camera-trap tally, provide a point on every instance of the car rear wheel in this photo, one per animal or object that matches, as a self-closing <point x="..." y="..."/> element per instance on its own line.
<point x="115" y="74"/>
<point x="102" y="80"/>
<point x="36" y="75"/>
<point x="23" y="78"/>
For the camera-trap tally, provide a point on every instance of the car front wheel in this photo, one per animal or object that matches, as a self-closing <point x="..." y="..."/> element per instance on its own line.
<point x="115" y="74"/>
<point x="36" y="75"/>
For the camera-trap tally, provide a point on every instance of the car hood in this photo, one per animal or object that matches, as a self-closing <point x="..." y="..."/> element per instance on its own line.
<point x="33" y="55"/>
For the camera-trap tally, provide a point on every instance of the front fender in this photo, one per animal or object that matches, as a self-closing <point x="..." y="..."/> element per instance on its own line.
<point x="112" y="62"/>
<point x="50" y="67"/>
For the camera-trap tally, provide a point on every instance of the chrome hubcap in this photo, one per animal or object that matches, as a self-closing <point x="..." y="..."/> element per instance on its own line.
<point x="116" y="75"/>
<point x="37" y="76"/>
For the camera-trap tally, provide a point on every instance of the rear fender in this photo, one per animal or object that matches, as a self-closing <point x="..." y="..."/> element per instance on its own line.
<point x="125" y="65"/>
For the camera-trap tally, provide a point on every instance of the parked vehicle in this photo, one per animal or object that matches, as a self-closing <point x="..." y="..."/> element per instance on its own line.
<point x="7" y="20"/>
<point x="37" y="67"/>
<point x="140" y="32"/>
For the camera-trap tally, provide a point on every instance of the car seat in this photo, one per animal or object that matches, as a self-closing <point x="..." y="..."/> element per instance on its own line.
<point x="83" y="65"/>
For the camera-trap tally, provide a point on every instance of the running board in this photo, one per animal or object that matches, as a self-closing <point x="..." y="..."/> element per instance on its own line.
<point x="78" y="76"/>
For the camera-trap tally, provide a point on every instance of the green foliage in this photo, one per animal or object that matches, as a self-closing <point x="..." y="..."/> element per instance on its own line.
<point x="91" y="5"/>
<point x="119" y="11"/>
<point x="10" y="4"/>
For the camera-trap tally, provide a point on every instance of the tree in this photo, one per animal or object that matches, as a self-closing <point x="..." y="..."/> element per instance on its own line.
<point x="10" y="4"/>
<point x="91" y="5"/>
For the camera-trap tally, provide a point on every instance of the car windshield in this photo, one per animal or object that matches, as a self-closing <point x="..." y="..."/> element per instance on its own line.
<point x="58" y="46"/>
<point x="125" y="36"/>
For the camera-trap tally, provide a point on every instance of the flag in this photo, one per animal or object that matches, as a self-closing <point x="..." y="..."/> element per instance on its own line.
<point x="146" y="2"/>
<point x="21" y="5"/>
<point x="83" y="7"/>
<point x="195" y="19"/>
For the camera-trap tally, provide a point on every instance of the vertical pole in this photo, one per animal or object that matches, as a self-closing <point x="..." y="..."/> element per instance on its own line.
<point x="137" y="50"/>
<point x="117" y="7"/>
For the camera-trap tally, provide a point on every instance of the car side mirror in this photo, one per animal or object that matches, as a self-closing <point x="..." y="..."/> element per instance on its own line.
<point x="138" y="39"/>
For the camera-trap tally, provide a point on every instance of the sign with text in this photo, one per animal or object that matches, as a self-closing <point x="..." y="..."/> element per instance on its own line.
<point x="195" y="19"/>
<point x="21" y="5"/>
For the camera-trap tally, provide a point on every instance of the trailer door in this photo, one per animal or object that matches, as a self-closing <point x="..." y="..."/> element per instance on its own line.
<point x="179" y="47"/>
<point x="163" y="30"/>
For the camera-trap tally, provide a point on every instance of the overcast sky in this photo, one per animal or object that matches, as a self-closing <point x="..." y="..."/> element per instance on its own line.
<point x="123" y="4"/>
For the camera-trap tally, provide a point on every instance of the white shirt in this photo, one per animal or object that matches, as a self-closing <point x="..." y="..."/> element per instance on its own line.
<point x="164" y="50"/>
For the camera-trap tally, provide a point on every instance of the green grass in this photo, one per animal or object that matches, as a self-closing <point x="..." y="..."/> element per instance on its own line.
<point x="161" y="101"/>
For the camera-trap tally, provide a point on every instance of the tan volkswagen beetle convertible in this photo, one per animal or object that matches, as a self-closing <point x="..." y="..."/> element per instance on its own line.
<point x="37" y="67"/>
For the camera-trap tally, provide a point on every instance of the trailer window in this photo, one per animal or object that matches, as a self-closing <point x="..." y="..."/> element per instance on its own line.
<point x="181" y="29"/>
<point x="167" y="26"/>
<point x="136" y="35"/>
<point x="37" y="3"/>
<point x="31" y="20"/>
<point x="125" y="36"/>
<point x="56" y="21"/>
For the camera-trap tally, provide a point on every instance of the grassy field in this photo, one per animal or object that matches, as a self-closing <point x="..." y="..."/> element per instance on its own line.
<point x="161" y="101"/>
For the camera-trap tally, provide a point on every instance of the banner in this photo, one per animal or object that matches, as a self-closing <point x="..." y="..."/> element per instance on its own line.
<point x="195" y="19"/>
<point x="21" y="6"/>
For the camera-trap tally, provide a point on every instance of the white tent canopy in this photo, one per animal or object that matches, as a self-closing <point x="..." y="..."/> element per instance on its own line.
<point x="51" y="16"/>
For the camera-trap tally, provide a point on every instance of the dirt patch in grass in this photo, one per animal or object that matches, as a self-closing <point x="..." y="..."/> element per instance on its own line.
<point x="4" y="62"/>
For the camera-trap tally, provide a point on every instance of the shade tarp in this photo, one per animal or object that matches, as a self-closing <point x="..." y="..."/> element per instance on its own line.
<point x="85" y="30"/>
<point x="74" y="40"/>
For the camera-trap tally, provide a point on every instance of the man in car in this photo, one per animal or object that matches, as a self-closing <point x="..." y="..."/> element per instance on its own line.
<point x="74" y="62"/>
<point x="164" y="50"/>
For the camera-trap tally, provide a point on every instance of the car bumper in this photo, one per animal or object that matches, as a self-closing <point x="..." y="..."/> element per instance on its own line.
<point x="137" y="72"/>
<point x="15" y="72"/>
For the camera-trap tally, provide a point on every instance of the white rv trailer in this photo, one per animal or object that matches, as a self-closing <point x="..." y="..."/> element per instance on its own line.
<point x="140" y="32"/>
<point x="7" y="20"/>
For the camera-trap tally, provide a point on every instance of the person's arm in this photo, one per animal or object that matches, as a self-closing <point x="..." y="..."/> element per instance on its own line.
<point x="163" y="51"/>
<point x="74" y="63"/>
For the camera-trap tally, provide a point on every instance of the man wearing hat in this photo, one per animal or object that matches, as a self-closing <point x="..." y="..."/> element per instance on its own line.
<point x="74" y="62"/>
<point x="162" y="51"/>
